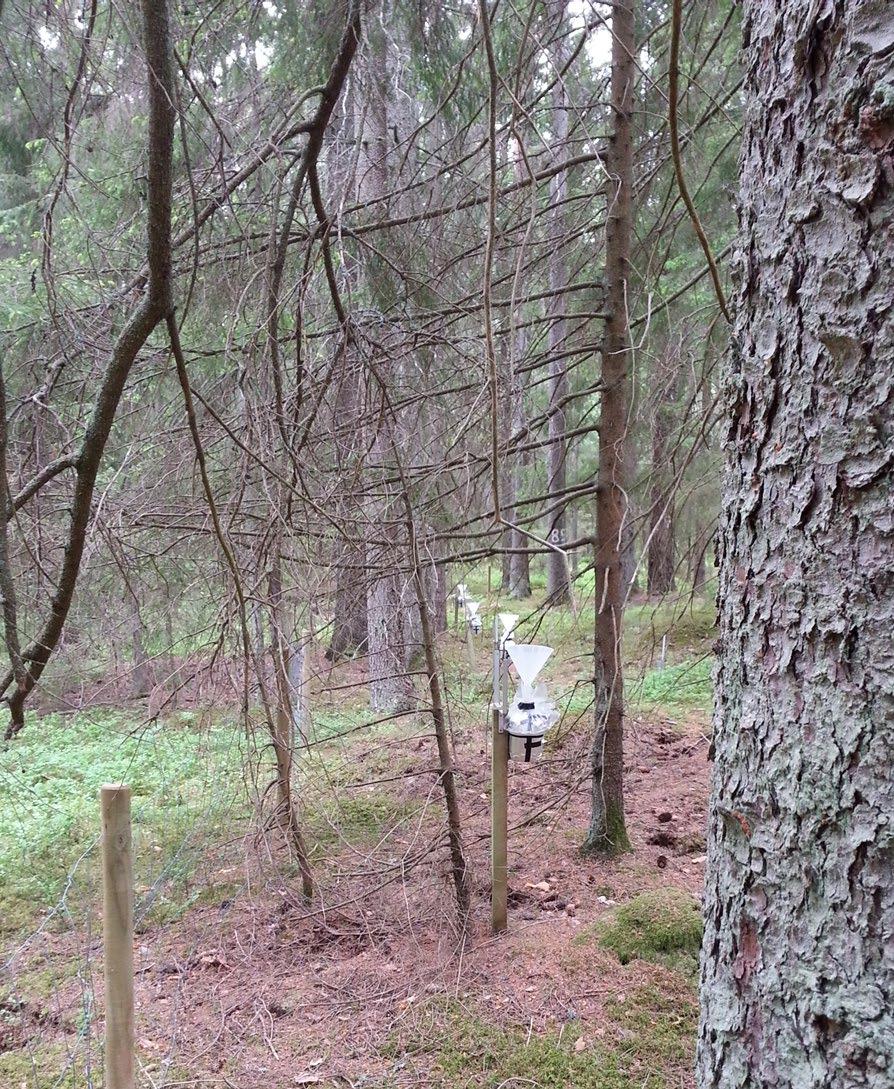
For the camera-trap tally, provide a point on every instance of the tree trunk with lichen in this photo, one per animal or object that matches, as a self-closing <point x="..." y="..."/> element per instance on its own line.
<point x="798" y="973"/>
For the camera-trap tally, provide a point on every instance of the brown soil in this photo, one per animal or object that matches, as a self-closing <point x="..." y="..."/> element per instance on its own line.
<point x="258" y="991"/>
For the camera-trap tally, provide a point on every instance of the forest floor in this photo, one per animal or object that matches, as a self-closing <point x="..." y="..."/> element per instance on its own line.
<point x="239" y="984"/>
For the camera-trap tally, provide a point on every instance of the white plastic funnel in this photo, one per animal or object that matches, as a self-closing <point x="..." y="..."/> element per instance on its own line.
<point x="508" y="620"/>
<point x="472" y="608"/>
<point x="528" y="659"/>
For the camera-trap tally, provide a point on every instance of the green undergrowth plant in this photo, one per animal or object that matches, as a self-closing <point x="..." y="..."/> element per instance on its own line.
<point x="677" y="689"/>
<point x="663" y="926"/>
<point x="42" y="1066"/>
<point x="359" y="819"/>
<point x="686" y="626"/>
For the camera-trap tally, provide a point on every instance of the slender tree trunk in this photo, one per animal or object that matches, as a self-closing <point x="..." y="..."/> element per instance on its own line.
<point x="140" y="679"/>
<point x="458" y="863"/>
<point x="699" y="548"/>
<point x="349" y="621"/>
<point x="283" y="730"/>
<point x="558" y="585"/>
<point x="660" y="569"/>
<point x="519" y="562"/>
<point x="171" y="657"/>
<point x="440" y="611"/>
<point x="349" y="631"/>
<point x="607" y="832"/>
<point x="389" y="597"/>
<point x="797" y="972"/>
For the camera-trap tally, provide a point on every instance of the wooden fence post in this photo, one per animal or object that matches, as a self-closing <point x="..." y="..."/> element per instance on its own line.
<point x="117" y="930"/>
<point x="499" y="822"/>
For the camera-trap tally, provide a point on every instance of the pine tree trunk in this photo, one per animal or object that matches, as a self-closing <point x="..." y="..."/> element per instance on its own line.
<point x="701" y="543"/>
<point x="558" y="587"/>
<point x="798" y="974"/>
<point x="389" y="598"/>
<point x="607" y="832"/>
<point x="141" y="679"/>
<point x="282" y="729"/>
<point x="349" y="624"/>
<point x="660" y="567"/>
<point x="519" y="562"/>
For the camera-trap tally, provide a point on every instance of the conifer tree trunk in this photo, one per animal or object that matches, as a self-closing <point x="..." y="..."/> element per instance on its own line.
<point x="558" y="585"/>
<point x="390" y="599"/>
<point x="798" y="974"/>
<point x="607" y="833"/>
<point x="519" y="561"/>
<point x="660" y="568"/>
<point x="141" y="679"/>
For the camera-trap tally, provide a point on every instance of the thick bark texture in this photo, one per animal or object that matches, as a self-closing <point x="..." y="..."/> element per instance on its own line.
<point x="607" y="833"/>
<point x="798" y="965"/>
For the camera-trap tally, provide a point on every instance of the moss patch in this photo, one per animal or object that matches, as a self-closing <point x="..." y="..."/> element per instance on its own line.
<point x="43" y="1067"/>
<point x="663" y="926"/>
<point x="358" y="819"/>
<point x="646" y="1042"/>
<point x="186" y="787"/>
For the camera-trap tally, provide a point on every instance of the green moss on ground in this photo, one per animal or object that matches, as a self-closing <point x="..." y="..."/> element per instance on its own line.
<point x="676" y="689"/>
<point x="361" y="819"/>
<point x="646" y="1042"/>
<point x="44" y="1066"/>
<point x="663" y="926"/>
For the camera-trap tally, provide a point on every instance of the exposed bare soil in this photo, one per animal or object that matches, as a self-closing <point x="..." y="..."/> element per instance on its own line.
<point x="258" y="991"/>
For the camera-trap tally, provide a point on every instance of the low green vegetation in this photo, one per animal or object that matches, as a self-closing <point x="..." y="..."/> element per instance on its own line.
<point x="663" y="926"/>
<point x="676" y="689"/>
<point x="360" y="819"/>
<point x="186" y="782"/>
<point x="44" y="1066"/>
<point x="640" y="1031"/>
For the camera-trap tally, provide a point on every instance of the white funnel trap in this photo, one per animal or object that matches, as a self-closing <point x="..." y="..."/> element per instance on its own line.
<point x="532" y="712"/>
<point x="528" y="659"/>
<point x="507" y="622"/>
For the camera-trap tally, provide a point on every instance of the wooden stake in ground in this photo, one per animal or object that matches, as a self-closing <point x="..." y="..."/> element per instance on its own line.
<point x="117" y="919"/>
<point x="499" y="794"/>
<point x="499" y="823"/>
